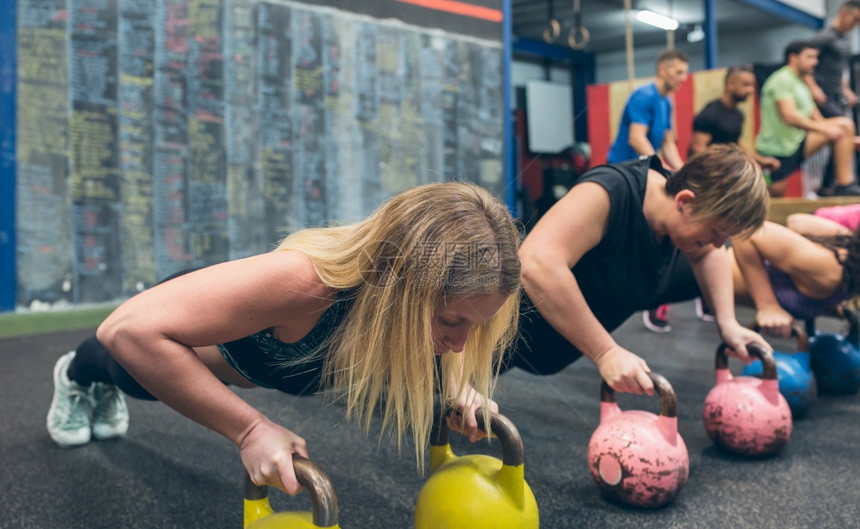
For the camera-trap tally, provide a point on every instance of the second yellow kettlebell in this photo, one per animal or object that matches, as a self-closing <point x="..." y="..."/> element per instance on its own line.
<point x="259" y="513"/>
<point x="476" y="491"/>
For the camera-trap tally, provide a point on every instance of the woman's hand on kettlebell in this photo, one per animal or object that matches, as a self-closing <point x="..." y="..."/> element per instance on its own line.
<point x="267" y="453"/>
<point x="736" y="337"/>
<point x="625" y="371"/>
<point x="463" y="417"/>
<point x="774" y="321"/>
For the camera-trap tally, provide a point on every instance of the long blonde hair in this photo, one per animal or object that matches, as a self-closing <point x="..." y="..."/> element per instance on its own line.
<point x="422" y="247"/>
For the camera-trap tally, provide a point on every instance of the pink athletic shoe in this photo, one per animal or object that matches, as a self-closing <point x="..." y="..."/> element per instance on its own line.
<point x="656" y="320"/>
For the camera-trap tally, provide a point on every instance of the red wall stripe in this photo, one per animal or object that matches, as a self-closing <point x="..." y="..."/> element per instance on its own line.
<point x="458" y="8"/>
<point x="684" y="115"/>
<point x="597" y="96"/>
<point x="531" y="167"/>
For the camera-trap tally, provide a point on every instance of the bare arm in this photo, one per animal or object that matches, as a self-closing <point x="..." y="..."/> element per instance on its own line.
<point x="818" y="94"/>
<point x="670" y="151"/>
<point x="638" y="139"/>
<point x="770" y="316"/>
<point x="700" y="142"/>
<point x="564" y="234"/>
<point x="153" y="334"/>
<point x="713" y="271"/>
<point x="812" y="268"/>
<point x="766" y="162"/>
<point x="788" y="112"/>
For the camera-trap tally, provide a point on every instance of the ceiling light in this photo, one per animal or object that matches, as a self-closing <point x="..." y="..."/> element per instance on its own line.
<point x="657" y="20"/>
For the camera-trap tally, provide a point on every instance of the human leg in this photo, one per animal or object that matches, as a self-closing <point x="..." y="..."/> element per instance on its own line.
<point x="832" y="106"/>
<point x="94" y="364"/>
<point x="657" y="319"/>
<point x="69" y="417"/>
<point x="787" y="165"/>
<point x="703" y="310"/>
<point x="87" y="399"/>
<point x="847" y="216"/>
<point x="88" y="396"/>
<point x="742" y="295"/>
<point x="753" y="287"/>
<point x="820" y="226"/>
<point x="843" y="153"/>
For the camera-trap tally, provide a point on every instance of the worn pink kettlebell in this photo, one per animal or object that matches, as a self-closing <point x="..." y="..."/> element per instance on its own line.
<point x="747" y="415"/>
<point x="638" y="457"/>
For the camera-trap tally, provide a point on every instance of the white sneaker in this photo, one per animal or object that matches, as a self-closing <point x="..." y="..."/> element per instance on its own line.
<point x="69" y="416"/>
<point x="110" y="412"/>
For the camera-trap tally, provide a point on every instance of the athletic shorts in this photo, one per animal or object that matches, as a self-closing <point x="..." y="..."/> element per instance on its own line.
<point x="788" y="164"/>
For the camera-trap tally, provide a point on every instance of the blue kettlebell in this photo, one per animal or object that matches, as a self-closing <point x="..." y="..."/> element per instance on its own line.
<point x="835" y="358"/>
<point x="796" y="381"/>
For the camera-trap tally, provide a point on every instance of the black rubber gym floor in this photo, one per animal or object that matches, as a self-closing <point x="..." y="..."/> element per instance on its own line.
<point x="171" y="473"/>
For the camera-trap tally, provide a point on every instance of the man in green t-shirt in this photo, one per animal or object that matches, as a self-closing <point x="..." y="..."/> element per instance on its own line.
<point x="792" y="127"/>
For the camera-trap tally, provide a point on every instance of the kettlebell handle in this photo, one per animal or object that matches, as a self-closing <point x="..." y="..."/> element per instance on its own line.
<point x="668" y="401"/>
<point x="798" y="330"/>
<point x="767" y="361"/>
<point x="501" y="427"/>
<point x="312" y="477"/>
<point x="851" y="314"/>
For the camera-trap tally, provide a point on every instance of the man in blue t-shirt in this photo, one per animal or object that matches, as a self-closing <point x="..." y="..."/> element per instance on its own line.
<point x="646" y="124"/>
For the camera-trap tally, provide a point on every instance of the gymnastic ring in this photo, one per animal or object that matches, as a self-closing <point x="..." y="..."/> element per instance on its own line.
<point x="582" y="33"/>
<point x="551" y="31"/>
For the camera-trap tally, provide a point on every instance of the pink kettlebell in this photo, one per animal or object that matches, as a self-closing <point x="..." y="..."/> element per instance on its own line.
<point x="638" y="457"/>
<point x="747" y="415"/>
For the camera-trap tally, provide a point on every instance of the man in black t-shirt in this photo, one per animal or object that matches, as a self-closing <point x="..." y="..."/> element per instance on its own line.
<point x="721" y="121"/>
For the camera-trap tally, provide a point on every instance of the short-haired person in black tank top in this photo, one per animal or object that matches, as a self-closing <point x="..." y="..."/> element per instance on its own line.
<point x="360" y="309"/>
<point x="630" y="236"/>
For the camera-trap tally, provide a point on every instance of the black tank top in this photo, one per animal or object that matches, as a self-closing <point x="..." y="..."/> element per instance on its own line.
<point x="628" y="270"/>
<point x="261" y="357"/>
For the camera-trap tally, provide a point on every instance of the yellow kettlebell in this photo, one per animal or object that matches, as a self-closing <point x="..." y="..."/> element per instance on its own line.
<point x="258" y="510"/>
<point x="476" y="491"/>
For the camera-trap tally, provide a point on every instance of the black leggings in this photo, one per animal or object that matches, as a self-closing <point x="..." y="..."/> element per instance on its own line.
<point x="93" y="363"/>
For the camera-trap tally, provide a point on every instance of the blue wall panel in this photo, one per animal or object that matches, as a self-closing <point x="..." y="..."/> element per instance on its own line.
<point x="8" y="75"/>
